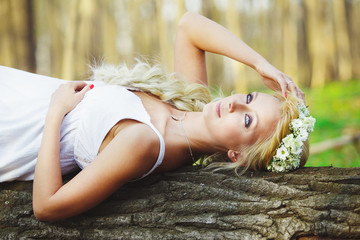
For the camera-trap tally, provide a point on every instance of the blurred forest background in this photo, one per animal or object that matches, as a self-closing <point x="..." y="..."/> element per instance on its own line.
<point x="316" y="42"/>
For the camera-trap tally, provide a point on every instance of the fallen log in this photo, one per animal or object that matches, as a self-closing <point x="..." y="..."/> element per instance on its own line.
<point x="335" y="143"/>
<point x="309" y="203"/>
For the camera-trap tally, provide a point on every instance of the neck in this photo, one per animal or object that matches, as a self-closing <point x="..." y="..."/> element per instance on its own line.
<point x="195" y="130"/>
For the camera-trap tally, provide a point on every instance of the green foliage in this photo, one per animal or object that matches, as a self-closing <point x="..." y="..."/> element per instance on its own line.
<point x="336" y="108"/>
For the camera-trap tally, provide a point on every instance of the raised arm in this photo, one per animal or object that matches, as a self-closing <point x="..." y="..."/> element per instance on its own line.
<point x="197" y="35"/>
<point x="110" y="170"/>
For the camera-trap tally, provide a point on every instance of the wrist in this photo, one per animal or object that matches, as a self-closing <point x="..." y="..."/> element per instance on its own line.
<point x="55" y="115"/>
<point x="259" y="65"/>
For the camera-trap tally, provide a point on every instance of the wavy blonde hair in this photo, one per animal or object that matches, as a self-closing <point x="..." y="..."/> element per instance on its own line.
<point x="257" y="156"/>
<point x="147" y="78"/>
<point x="193" y="97"/>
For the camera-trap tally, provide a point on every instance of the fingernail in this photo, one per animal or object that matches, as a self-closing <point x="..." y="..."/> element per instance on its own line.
<point x="285" y="94"/>
<point x="91" y="86"/>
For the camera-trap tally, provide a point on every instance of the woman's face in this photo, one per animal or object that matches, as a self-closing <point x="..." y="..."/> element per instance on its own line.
<point x="242" y="119"/>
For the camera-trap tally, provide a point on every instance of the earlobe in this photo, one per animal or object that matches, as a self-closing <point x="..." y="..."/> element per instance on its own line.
<point x="233" y="155"/>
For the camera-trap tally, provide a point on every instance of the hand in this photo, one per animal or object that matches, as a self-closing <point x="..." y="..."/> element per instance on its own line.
<point x="277" y="80"/>
<point x="67" y="96"/>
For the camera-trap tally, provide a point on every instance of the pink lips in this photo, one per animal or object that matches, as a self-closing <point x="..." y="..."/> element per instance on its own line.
<point x="218" y="109"/>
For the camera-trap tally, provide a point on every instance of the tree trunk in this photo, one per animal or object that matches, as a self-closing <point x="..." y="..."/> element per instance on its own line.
<point x="68" y="61"/>
<point x="342" y="41"/>
<point x="237" y="71"/>
<point x="310" y="203"/>
<point x="290" y="15"/>
<point x="17" y="46"/>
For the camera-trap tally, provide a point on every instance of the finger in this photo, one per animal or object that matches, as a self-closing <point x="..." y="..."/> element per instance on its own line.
<point x="284" y="86"/>
<point x="84" y="90"/>
<point x="301" y="95"/>
<point x="78" y="85"/>
<point x="292" y="87"/>
<point x="296" y="90"/>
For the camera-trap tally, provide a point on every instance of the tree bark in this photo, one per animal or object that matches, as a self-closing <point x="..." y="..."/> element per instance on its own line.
<point x="310" y="203"/>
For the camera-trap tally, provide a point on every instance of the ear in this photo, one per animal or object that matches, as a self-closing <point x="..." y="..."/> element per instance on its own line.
<point x="233" y="155"/>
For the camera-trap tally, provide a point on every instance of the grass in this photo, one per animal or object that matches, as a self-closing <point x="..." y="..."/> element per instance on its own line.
<point x="336" y="108"/>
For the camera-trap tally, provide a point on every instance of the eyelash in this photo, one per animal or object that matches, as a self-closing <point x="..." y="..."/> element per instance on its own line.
<point x="248" y="118"/>
<point x="249" y="98"/>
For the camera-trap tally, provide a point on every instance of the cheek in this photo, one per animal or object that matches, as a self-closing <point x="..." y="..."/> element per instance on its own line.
<point x="263" y="133"/>
<point x="233" y="127"/>
<point x="233" y="134"/>
<point x="254" y="137"/>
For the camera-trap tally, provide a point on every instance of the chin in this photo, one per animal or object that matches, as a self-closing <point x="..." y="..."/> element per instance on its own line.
<point x="207" y="110"/>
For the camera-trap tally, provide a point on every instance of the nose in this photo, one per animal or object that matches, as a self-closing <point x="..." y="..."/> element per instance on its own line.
<point x="237" y="105"/>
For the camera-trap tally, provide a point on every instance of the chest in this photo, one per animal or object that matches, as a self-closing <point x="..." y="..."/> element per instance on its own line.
<point x="156" y="109"/>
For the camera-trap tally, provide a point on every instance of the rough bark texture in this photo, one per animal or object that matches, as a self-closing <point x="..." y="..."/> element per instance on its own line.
<point x="310" y="203"/>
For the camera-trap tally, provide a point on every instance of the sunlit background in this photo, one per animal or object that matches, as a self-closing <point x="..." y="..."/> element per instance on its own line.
<point x="316" y="42"/>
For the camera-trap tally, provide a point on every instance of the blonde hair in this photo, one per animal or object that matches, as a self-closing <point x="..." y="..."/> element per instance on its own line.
<point x="147" y="78"/>
<point x="193" y="97"/>
<point x="257" y="156"/>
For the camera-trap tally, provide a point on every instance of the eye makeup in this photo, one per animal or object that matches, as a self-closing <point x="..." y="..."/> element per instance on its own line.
<point x="248" y="120"/>
<point x="249" y="98"/>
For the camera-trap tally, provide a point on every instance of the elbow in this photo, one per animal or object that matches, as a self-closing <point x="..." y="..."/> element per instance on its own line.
<point x="186" y="20"/>
<point x="41" y="213"/>
<point x="186" y="29"/>
<point x="44" y="214"/>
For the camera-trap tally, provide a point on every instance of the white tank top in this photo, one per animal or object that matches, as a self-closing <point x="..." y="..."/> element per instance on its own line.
<point x="100" y="110"/>
<point x="24" y="101"/>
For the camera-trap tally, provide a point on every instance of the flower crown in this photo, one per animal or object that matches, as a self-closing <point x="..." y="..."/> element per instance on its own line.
<point x="289" y="152"/>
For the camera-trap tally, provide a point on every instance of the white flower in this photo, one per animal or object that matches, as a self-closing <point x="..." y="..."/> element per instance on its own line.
<point x="282" y="153"/>
<point x="309" y="123"/>
<point x="303" y="111"/>
<point x="297" y="162"/>
<point x="278" y="168"/>
<point x="288" y="154"/>
<point x="293" y="144"/>
<point x="296" y="148"/>
<point x="303" y="134"/>
<point x="296" y="123"/>
<point x="288" y="140"/>
<point x="292" y="163"/>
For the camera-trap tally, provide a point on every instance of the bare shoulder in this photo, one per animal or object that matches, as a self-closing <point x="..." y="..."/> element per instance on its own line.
<point x="140" y="142"/>
<point x="142" y="136"/>
<point x="139" y="134"/>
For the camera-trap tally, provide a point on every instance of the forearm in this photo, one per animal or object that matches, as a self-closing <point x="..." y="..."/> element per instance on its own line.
<point x="47" y="179"/>
<point x="209" y="36"/>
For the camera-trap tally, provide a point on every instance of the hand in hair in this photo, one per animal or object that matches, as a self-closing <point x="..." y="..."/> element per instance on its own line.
<point x="198" y="34"/>
<point x="277" y="80"/>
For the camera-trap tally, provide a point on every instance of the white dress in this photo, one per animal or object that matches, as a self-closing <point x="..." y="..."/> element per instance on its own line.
<point x="24" y="101"/>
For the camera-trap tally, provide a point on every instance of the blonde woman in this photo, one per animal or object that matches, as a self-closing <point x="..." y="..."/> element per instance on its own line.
<point x="129" y="123"/>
